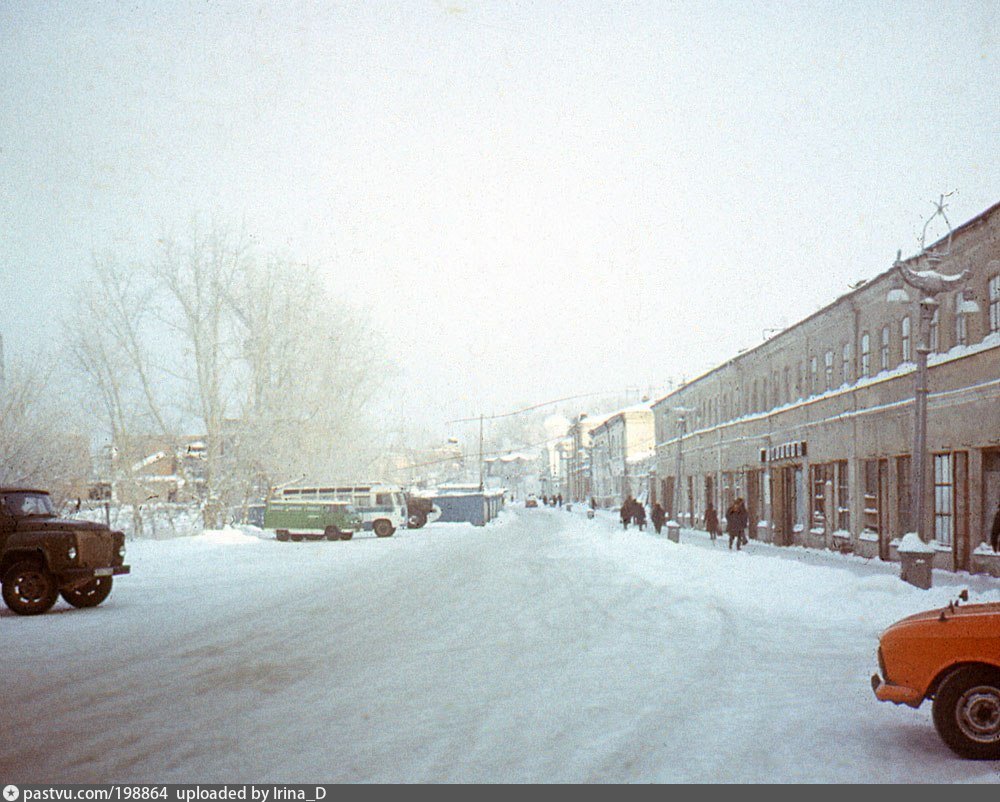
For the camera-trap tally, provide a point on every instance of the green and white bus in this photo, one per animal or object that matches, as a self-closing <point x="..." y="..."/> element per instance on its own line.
<point x="381" y="507"/>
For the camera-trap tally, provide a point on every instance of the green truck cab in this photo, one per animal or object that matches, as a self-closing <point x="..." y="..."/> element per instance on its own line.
<point x="311" y="520"/>
<point x="43" y="556"/>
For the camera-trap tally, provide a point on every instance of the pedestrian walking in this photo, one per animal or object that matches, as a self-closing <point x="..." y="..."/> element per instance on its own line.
<point x="639" y="515"/>
<point x="626" y="512"/>
<point x="658" y="516"/>
<point x="712" y="522"/>
<point x="995" y="531"/>
<point x="559" y="499"/>
<point x="736" y="523"/>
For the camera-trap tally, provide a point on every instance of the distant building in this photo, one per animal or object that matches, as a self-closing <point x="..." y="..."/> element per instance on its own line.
<point x="622" y="454"/>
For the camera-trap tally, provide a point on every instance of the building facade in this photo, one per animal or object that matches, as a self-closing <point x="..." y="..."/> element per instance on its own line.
<point x="621" y="454"/>
<point x="815" y="427"/>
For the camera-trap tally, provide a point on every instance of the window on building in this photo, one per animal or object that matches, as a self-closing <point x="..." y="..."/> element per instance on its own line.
<point x="935" y="340"/>
<point x="866" y="355"/>
<point x="961" y="324"/>
<point x="994" y="288"/>
<point x="884" y="349"/>
<point x="904" y="334"/>
<point x="943" y="499"/>
<point x="870" y="511"/>
<point x="788" y="384"/>
<point x="821" y="474"/>
<point x="904" y="510"/>
<point x="828" y="369"/>
<point x="843" y="499"/>
<point x="845" y="363"/>
<point x="814" y="372"/>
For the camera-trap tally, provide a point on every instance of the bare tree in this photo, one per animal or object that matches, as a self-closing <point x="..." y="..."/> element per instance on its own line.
<point x="38" y="444"/>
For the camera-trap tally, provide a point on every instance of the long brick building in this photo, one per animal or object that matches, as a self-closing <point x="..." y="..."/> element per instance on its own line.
<point x="814" y="427"/>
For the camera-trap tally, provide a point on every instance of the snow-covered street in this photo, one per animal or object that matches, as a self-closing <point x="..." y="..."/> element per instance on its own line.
<point x="543" y="647"/>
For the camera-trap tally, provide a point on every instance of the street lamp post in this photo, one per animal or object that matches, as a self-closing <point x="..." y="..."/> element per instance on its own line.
<point x="929" y="284"/>
<point x="681" y="431"/>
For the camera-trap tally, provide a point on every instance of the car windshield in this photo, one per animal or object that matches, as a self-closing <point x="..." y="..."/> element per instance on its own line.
<point x="24" y="504"/>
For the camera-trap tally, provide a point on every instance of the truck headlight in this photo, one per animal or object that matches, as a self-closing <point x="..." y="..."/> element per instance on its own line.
<point x="71" y="553"/>
<point x="121" y="551"/>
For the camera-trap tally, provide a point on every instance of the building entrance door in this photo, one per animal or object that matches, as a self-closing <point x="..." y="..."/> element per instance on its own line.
<point x="785" y="504"/>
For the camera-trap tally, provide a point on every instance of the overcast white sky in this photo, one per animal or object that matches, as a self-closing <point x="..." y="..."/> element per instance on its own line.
<point x="534" y="199"/>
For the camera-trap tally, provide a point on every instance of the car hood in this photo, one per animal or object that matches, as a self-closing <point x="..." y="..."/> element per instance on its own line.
<point x="964" y="614"/>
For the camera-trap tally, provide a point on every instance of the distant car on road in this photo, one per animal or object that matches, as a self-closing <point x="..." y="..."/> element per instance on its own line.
<point x="43" y="556"/>
<point x="950" y="655"/>
<point x="531" y="500"/>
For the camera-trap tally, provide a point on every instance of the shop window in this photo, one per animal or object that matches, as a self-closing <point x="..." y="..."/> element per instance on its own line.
<point x="820" y="475"/>
<point x="904" y="510"/>
<point x="843" y="498"/>
<point x="944" y="494"/>
<point x="871" y="516"/>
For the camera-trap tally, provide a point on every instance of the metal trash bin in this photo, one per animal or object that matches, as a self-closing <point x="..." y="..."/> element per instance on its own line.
<point x="674" y="531"/>
<point x="916" y="569"/>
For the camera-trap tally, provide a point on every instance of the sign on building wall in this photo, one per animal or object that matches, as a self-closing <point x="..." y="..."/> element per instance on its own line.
<point x="794" y="450"/>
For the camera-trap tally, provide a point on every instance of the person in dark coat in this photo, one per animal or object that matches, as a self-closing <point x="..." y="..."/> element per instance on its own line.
<point x="658" y="516"/>
<point x="626" y="512"/>
<point x="559" y="499"/>
<point x="995" y="531"/>
<point x="711" y="522"/>
<point x="639" y="515"/>
<point x="736" y="523"/>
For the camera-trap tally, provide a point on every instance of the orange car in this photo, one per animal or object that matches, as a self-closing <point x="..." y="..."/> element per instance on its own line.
<point x="952" y="656"/>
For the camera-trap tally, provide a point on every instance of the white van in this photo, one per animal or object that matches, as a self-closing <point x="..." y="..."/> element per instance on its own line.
<point x="382" y="507"/>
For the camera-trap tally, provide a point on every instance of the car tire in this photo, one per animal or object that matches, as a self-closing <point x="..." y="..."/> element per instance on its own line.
<point x="416" y="520"/>
<point x="29" y="588"/>
<point x="89" y="595"/>
<point x="383" y="528"/>
<point x="967" y="712"/>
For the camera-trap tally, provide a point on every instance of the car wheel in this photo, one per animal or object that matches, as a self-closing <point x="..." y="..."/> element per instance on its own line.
<point x="416" y="520"/>
<point x="967" y="712"/>
<point x="383" y="528"/>
<point x="29" y="588"/>
<point x="89" y="595"/>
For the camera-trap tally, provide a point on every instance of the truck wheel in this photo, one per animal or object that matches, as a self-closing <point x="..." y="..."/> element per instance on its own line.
<point x="332" y="533"/>
<point x="383" y="528"/>
<point x="29" y="588"/>
<point x="282" y="535"/>
<point x="296" y="538"/>
<point x="416" y="520"/>
<point x="967" y="712"/>
<point x="89" y="595"/>
<point x="346" y="535"/>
